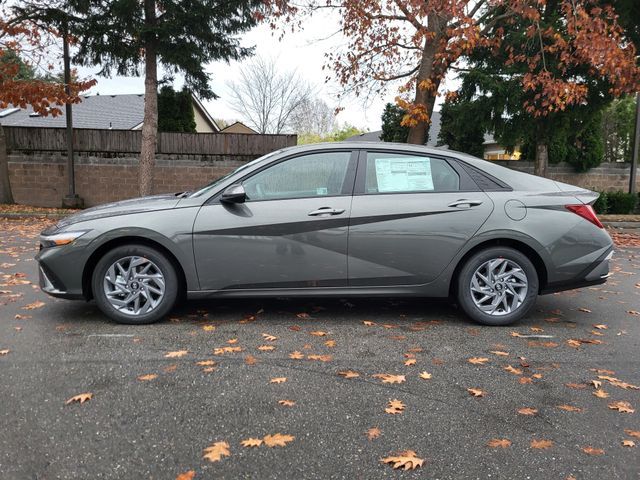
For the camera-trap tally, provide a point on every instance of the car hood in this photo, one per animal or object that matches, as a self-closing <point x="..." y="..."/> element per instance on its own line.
<point x="124" y="207"/>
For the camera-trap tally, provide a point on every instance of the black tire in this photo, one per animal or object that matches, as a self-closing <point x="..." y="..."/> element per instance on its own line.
<point x="171" y="284"/>
<point x="464" y="293"/>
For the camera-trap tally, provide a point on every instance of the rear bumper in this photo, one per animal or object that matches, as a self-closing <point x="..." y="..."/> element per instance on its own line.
<point x="596" y="273"/>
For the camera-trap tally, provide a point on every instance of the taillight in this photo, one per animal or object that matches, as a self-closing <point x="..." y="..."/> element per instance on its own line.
<point x="587" y="212"/>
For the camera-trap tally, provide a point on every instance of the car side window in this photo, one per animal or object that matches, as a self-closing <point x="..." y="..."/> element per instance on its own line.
<point x="312" y="175"/>
<point x="402" y="173"/>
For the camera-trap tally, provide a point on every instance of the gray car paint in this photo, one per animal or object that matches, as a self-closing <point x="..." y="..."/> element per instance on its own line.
<point x="250" y="252"/>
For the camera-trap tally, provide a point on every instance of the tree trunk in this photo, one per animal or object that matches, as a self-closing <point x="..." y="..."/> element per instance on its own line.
<point x="418" y="134"/>
<point x="542" y="159"/>
<point x="150" y="121"/>
<point x="5" y="187"/>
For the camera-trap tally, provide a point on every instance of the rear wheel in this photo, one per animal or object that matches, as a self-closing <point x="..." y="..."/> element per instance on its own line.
<point x="135" y="284"/>
<point x="497" y="286"/>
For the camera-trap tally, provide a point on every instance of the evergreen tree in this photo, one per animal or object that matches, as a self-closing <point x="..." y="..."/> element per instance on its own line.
<point x="392" y="128"/>
<point x="175" y="111"/>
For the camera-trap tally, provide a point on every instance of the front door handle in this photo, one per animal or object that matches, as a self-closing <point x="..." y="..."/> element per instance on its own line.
<point x="464" y="202"/>
<point x="326" y="211"/>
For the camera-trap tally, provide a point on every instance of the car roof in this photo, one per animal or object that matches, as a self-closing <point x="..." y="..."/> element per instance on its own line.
<point x="376" y="146"/>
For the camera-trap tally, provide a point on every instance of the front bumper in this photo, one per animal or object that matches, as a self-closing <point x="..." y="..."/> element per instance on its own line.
<point x="596" y="273"/>
<point x="60" y="271"/>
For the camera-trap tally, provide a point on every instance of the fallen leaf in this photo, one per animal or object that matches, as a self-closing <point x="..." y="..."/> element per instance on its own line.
<point x="368" y="323"/>
<point x="232" y="341"/>
<point x="81" y="398"/>
<point x="584" y="310"/>
<point x="208" y="328"/>
<point x="410" y="361"/>
<point x="628" y="443"/>
<point x="296" y="355"/>
<point x="476" y="392"/>
<point x="277" y="440"/>
<point x="216" y="451"/>
<point x="266" y="348"/>
<point x="177" y="354"/>
<point x="147" y="377"/>
<point x="170" y="368"/>
<point x="388" y="378"/>
<point x="500" y="353"/>
<point x="205" y="363"/>
<point x="478" y="360"/>
<point x="515" y="371"/>
<point x="596" y="383"/>
<point x="302" y="315"/>
<point x="569" y="408"/>
<point x="186" y="475"/>
<point x="633" y="433"/>
<point x="601" y="393"/>
<point x="251" y="442"/>
<point x="278" y="380"/>
<point x="318" y="333"/>
<point x="250" y="360"/>
<point x="348" y="374"/>
<point x="223" y="350"/>
<point x="601" y="326"/>
<point x="373" y="433"/>
<point x="405" y="460"/>
<point x="541" y="444"/>
<point x="528" y="411"/>
<point x="622" y="407"/>
<point x="286" y="403"/>
<point x="593" y="451"/>
<point x="34" y="305"/>
<point x="322" y="358"/>
<point x="394" y="407"/>
<point x="425" y="375"/>
<point x="269" y="338"/>
<point x="499" y="443"/>
<point x="4" y="352"/>
<point x="330" y="343"/>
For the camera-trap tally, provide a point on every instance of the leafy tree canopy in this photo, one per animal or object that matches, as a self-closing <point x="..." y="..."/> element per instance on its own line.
<point x="175" y="111"/>
<point x="392" y="128"/>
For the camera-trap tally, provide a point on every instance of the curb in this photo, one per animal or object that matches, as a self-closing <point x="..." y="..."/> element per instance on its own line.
<point x="26" y="216"/>
<point x="628" y="225"/>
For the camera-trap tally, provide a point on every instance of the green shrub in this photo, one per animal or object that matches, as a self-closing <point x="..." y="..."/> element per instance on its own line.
<point x="602" y="204"/>
<point x="621" y="202"/>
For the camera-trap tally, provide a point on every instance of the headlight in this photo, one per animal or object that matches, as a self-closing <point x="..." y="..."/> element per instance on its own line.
<point x="59" y="239"/>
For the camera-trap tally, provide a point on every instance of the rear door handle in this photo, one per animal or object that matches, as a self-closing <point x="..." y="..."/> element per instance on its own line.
<point x="326" y="211"/>
<point x="464" y="202"/>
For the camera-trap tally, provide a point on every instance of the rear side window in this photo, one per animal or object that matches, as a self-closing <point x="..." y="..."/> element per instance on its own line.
<point x="400" y="173"/>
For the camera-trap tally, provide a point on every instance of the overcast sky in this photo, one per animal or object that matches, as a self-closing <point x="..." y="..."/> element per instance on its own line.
<point x="303" y="51"/>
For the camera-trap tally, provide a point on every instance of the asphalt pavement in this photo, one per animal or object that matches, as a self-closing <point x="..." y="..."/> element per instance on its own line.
<point x="161" y="394"/>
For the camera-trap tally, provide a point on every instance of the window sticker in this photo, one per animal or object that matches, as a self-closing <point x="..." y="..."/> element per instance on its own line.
<point x="404" y="174"/>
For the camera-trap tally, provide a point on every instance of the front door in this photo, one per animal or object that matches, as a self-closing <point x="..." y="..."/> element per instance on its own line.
<point x="410" y="215"/>
<point x="290" y="233"/>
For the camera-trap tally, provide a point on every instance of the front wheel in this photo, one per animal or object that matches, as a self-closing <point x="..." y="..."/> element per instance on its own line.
<point x="497" y="286"/>
<point x="135" y="284"/>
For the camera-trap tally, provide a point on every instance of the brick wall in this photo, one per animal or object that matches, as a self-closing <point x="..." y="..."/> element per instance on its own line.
<point x="39" y="178"/>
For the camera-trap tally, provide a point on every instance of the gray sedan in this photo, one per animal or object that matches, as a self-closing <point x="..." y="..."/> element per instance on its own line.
<point x="340" y="219"/>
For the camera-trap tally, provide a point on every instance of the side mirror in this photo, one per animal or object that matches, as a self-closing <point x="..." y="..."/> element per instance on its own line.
<point x="234" y="194"/>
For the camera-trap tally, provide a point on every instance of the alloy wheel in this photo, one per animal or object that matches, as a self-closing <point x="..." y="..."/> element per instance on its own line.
<point x="499" y="287"/>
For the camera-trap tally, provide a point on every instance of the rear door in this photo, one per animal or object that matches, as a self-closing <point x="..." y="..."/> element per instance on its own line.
<point x="291" y="232"/>
<point x="410" y="215"/>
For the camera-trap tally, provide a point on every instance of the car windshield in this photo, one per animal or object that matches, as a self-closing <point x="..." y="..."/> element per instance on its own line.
<point x="220" y="180"/>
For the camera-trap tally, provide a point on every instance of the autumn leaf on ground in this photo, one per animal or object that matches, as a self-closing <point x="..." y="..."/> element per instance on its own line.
<point x="476" y="392"/>
<point x="250" y="360"/>
<point x="223" y="350"/>
<point x="278" y="380"/>
<point x="318" y="333"/>
<point x="478" y="360"/>
<point x="373" y="433"/>
<point x="368" y="323"/>
<point x="330" y="343"/>
<point x="410" y="361"/>
<point x="633" y="433"/>
<point x="205" y="363"/>
<point x="510" y="369"/>
<point x="286" y="403"/>
<point x="296" y="355"/>
<point x="303" y="315"/>
<point x="569" y="408"/>
<point x="394" y="407"/>
<point x="269" y="338"/>
<point x="251" y="442"/>
<point x="525" y="380"/>
<point x="499" y="443"/>
<point x="348" y="374"/>
<point x="499" y="353"/>
<point x="601" y="326"/>
<point x="81" y="398"/>
<point x="516" y="334"/>
<point x="232" y="341"/>
<point x="541" y="444"/>
<point x="628" y="443"/>
<point x="596" y="383"/>
<point x="34" y="305"/>
<point x="4" y="352"/>
<point x="208" y="328"/>
<point x="177" y="354"/>
<point x="601" y="393"/>
<point x="266" y="348"/>
<point x="528" y="411"/>
<point x="407" y="460"/>
<point x="277" y="440"/>
<point x="425" y="375"/>
<point x="186" y="475"/>
<point x="622" y="407"/>
<point x="170" y="368"/>
<point x="388" y="378"/>
<point x="584" y="310"/>
<point x="147" y="377"/>
<point x="216" y="451"/>
<point x="321" y="358"/>
<point x="592" y="451"/>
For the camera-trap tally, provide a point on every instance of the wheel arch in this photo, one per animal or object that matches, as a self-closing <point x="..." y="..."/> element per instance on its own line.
<point x="522" y="247"/>
<point x="99" y="252"/>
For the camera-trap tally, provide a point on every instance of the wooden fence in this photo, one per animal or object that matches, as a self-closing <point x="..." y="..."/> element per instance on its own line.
<point x="128" y="141"/>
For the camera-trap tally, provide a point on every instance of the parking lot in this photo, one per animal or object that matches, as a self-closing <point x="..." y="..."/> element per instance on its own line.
<point x="347" y="383"/>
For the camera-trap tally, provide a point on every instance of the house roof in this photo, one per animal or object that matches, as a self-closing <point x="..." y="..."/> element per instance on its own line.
<point x="239" y="126"/>
<point x="115" y="112"/>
